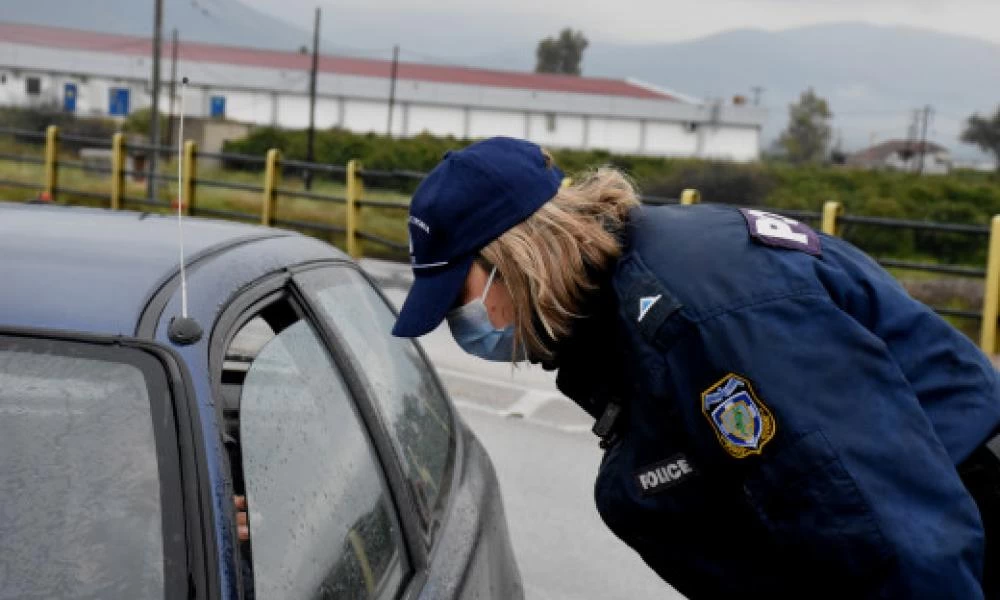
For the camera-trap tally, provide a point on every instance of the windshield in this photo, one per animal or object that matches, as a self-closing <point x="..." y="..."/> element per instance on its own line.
<point x="80" y="505"/>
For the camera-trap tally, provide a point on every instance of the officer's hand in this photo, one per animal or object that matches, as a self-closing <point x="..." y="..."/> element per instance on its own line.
<point x="242" y="523"/>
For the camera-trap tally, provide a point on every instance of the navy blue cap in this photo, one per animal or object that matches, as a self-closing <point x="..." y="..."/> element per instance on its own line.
<point x="470" y="199"/>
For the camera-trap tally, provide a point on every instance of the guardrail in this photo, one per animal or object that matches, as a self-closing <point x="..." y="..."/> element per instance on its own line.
<point x="831" y="220"/>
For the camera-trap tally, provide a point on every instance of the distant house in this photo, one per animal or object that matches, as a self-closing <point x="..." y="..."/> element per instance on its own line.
<point x="904" y="155"/>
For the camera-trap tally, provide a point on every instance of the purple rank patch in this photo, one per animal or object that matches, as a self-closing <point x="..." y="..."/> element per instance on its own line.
<point x="781" y="232"/>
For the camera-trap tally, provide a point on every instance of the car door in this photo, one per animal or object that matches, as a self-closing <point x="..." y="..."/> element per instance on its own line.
<point x="322" y="518"/>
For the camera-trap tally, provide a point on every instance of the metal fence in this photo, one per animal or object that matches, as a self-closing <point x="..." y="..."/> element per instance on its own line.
<point x="831" y="220"/>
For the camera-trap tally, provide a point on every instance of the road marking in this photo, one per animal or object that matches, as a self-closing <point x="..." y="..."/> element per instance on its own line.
<point x="506" y="414"/>
<point x="487" y="380"/>
<point x="530" y="403"/>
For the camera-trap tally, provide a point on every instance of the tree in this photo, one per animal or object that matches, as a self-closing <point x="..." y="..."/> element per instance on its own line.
<point x="985" y="133"/>
<point x="808" y="133"/>
<point x="562" y="54"/>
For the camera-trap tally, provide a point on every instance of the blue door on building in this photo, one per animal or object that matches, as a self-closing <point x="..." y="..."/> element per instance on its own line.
<point x="118" y="102"/>
<point x="69" y="97"/>
<point x="217" y="109"/>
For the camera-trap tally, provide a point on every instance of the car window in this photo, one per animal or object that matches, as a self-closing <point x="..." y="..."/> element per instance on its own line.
<point x="321" y="523"/>
<point x="401" y="382"/>
<point x="80" y="491"/>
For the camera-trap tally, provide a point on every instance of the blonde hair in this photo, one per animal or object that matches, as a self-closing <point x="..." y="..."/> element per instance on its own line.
<point x="548" y="261"/>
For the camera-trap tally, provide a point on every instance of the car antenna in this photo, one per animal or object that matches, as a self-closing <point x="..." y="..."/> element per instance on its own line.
<point x="183" y="330"/>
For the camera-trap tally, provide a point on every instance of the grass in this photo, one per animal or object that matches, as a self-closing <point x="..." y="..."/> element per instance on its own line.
<point x="389" y="223"/>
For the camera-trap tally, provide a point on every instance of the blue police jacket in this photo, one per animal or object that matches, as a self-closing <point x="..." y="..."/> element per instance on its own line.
<point x="792" y="419"/>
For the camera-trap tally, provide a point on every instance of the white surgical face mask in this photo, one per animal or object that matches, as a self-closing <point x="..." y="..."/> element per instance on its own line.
<point x="471" y="327"/>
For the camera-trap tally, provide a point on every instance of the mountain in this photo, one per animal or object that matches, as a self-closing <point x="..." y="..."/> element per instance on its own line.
<point x="228" y="22"/>
<point x="873" y="76"/>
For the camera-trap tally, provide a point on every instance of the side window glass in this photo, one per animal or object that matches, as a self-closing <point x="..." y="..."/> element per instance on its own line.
<point x="405" y="390"/>
<point x="320" y="520"/>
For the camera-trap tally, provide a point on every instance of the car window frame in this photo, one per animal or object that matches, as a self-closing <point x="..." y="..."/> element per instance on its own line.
<point x="185" y="569"/>
<point x="242" y="308"/>
<point x="429" y="534"/>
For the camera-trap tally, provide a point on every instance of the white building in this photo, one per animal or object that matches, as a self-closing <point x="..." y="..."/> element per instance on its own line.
<point x="904" y="155"/>
<point x="102" y="74"/>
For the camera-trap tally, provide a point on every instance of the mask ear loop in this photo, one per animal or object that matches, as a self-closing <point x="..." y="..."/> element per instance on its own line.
<point x="489" y="282"/>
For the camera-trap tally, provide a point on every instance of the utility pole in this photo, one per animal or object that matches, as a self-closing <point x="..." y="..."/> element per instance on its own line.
<point x="311" y="135"/>
<point x="912" y="133"/>
<point x="392" y="88"/>
<point x="173" y="88"/>
<point x="154" y="121"/>
<point x="758" y="91"/>
<point x="923" y="138"/>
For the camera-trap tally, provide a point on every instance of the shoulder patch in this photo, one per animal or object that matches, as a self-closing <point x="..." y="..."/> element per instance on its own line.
<point x="663" y="475"/>
<point x="647" y="303"/>
<point x="781" y="232"/>
<point x="743" y="424"/>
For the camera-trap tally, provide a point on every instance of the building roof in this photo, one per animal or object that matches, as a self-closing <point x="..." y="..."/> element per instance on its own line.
<point x="879" y="152"/>
<point x="73" y="39"/>
<point x="94" y="270"/>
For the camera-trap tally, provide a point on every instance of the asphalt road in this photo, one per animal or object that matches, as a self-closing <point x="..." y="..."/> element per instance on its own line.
<point x="546" y="460"/>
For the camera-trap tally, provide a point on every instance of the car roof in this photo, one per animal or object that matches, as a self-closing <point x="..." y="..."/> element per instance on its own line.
<point x="95" y="270"/>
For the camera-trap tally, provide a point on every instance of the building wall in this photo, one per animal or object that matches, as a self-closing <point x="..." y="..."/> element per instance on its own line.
<point x="730" y="143"/>
<point x="556" y="130"/>
<point x="935" y="163"/>
<point x="486" y="123"/>
<point x="617" y="135"/>
<point x="671" y="139"/>
<point x="436" y="120"/>
<point x="251" y="107"/>
<point x="277" y="97"/>
<point x="366" y="116"/>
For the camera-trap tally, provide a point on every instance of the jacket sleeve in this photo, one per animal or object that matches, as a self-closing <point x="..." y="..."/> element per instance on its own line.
<point x="955" y="382"/>
<point x="851" y="477"/>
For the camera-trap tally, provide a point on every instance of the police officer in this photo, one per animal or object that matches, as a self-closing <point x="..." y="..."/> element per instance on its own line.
<point x="780" y="419"/>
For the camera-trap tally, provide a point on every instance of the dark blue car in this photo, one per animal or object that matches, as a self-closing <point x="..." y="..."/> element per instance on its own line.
<point x="123" y="453"/>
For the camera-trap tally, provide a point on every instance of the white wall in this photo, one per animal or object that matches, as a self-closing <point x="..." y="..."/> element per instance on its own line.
<point x="731" y="143"/>
<point x="614" y="134"/>
<point x="363" y="116"/>
<point x="664" y="134"/>
<point x="293" y="112"/>
<point x="486" y="123"/>
<point x="252" y="107"/>
<point x="327" y="113"/>
<point x="670" y="139"/>
<point x="436" y="120"/>
<point x="567" y="131"/>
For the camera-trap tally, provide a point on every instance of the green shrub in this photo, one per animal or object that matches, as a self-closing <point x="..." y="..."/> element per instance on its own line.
<point x="963" y="197"/>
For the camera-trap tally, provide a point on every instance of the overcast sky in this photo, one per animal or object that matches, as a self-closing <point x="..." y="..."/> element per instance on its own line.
<point x="643" y="21"/>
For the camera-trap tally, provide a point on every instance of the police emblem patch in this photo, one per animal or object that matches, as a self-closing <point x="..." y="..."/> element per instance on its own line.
<point x="743" y="424"/>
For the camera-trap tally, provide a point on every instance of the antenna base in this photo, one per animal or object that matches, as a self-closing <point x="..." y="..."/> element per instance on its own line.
<point x="184" y="331"/>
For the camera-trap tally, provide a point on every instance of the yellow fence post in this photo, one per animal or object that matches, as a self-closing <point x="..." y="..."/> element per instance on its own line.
<point x="690" y="196"/>
<point x="355" y="192"/>
<point x="991" y="293"/>
<point x="832" y="211"/>
<point x="117" y="170"/>
<point x="271" y="173"/>
<point x="190" y="166"/>
<point x="51" y="161"/>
